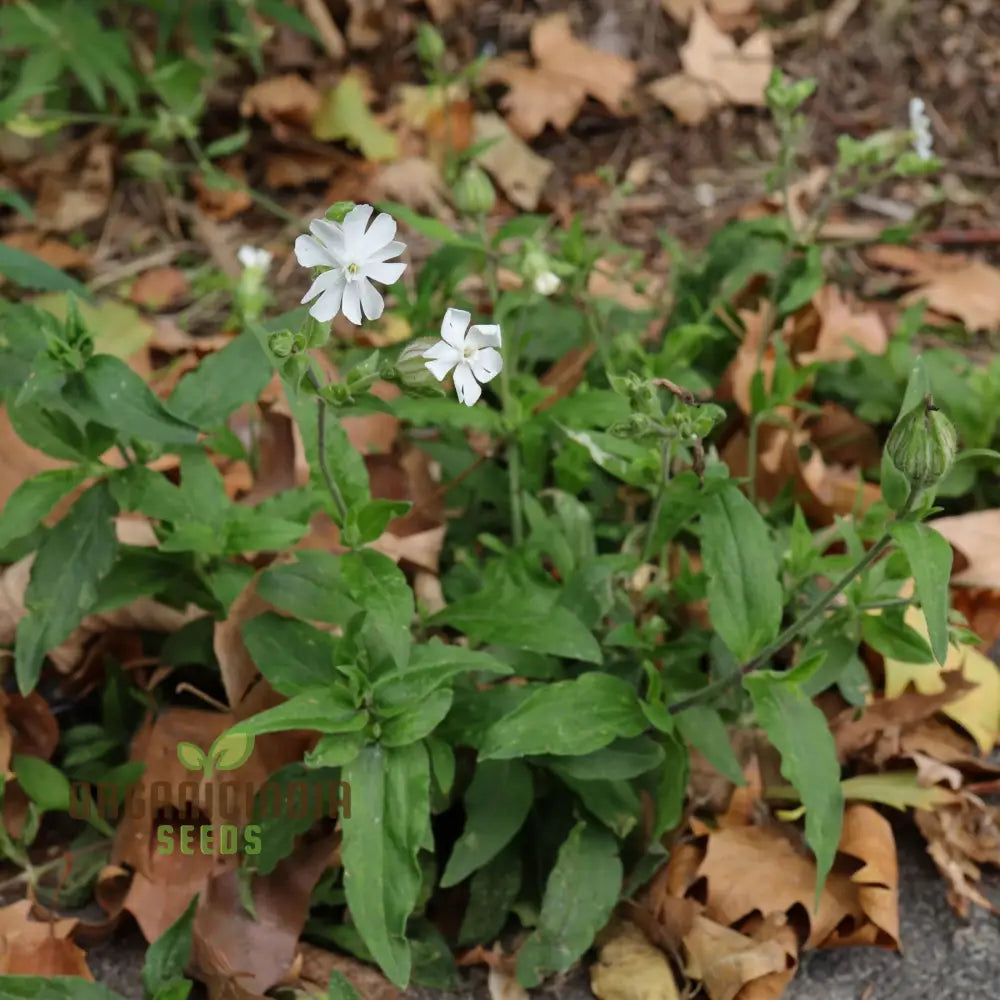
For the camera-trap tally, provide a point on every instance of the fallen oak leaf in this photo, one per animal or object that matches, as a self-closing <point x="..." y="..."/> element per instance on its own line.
<point x="288" y="103"/>
<point x="49" y="957"/>
<point x="953" y="284"/>
<point x="519" y="171"/>
<point x="976" y="537"/>
<point x="344" y="114"/>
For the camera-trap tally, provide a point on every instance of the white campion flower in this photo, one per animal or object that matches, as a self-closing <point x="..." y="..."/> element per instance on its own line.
<point x="355" y="257"/>
<point x="470" y="350"/>
<point x="547" y="283"/>
<point x="254" y="258"/>
<point x="920" y="126"/>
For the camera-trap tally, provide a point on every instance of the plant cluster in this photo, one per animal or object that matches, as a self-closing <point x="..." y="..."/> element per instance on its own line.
<point x="529" y="740"/>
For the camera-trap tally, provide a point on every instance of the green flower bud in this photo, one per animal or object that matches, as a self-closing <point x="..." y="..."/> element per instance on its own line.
<point x="922" y="445"/>
<point x="338" y="211"/>
<point x="474" y="194"/>
<point x="282" y="343"/>
<point x="638" y="425"/>
<point x="430" y="45"/>
<point x="411" y="365"/>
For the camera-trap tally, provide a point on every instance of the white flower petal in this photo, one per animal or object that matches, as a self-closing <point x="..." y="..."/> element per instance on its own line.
<point x="328" y="304"/>
<point x="393" y="249"/>
<point x="323" y="282"/>
<point x="440" y="349"/>
<point x="309" y="252"/>
<point x="351" y="305"/>
<point x="453" y="327"/>
<point x="486" y="364"/>
<point x="386" y="273"/>
<point x="483" y="336"/>
<point x="466" y="385"/>
<point x="354" y="227"/>
<point x="371" y="302"/>
<point x="380" y="234"/>
<point x="440" y="367"/>
<point x="329" y="235"/>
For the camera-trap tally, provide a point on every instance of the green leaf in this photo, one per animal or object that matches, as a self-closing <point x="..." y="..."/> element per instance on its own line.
<point x="389" y="822"/>
<point x="340" y="987"/>
<point x="336" y="749"/>
<point x="900" y="789"/>
<point x="620" y="761"/>
<point x="170" y="953"/>
<point x="380" y="587"/>
<point x="567" y="718"/>
<point x="491" y="820"/>
<point x="431" y="665"/>
<point x="313" y="587"/>
<point x="118" y="327"/>
<point x="344" y="114"/>
<point x="417" y="721"/>
<point x="615" y="803"/>
<point x="930" y="558"/>
<point x="32" y="272"/>
<point x="33" y="500"/>
<point x="222" y="383"/>
<point x="671" y="788"/>
<point x="704" y="729"/>
<point x="492" y="891"/>
<point x="744" y="595"/>
<point x="44" y="784"/>
<point x="895" y="485"/>
<point x="71" y="562"/>
<point x="327" y="710"/>
<point x="292" y="655"/>
<point x="114" y="395"/>
<point x="281" y="813"/>
<point x="889" y="635"/>
<point x="799" y="732"/>
<point x="517" y="620"/>
<point x="581" y="891"/>
<point x="366" y="522"/>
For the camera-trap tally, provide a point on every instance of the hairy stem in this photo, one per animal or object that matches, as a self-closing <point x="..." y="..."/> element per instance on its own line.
<point x="666" y="454"/>
<point x="328" y="478"/>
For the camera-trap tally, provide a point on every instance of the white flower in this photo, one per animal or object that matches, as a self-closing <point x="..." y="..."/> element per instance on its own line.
<point x="547" y="283"/>
<point x="471" y="351"/>
<point x="355" y="258"/>
<point x="254" y="259"/>
<point x="920" y="126"/>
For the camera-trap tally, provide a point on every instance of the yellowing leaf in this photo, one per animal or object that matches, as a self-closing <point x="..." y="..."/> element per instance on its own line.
<point x="899" y="789"/>
<point x="118" y="329"/>
<point x="344" y="114"/>
<point x="977" y="711"/>
<point x="630" y="968"/>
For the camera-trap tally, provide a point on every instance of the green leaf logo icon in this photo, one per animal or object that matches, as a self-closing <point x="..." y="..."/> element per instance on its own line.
<point x="230" y="751"/>
<point x="191" y="756"/>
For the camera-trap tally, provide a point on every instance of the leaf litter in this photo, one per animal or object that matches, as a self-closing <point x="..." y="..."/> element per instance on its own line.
<point x="738" y="908"/>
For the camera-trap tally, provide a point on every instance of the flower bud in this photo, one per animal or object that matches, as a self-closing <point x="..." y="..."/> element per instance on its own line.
<point x="638" y="425"/>
<point x="411" y="365"/>
<point x="547" y="283"/>
<point x="430" y="45"/>
<point x="337" y="212"/>
<point x="474" y="194"/>
<point x="922" y="445"/>
<point x="282" y="343"/>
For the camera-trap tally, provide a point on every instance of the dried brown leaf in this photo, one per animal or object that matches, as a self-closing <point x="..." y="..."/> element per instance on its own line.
<point x="520" y="172"/>
<point x="976" y="536"/>
<point x="160" y="288"/>
<point x="630" y="968"/>
<point x="288" y="103"/>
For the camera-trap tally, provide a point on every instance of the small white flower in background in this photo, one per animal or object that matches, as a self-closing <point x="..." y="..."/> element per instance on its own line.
<point x="547" y="283"/>
<point x="470" y="350"/>
<point x="254" y="259"/>
<point x="355" y="257"/>
<point x="920" y="126"/>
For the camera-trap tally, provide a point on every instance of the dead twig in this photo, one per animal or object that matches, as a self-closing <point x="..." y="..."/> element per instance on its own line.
<point x="329" y="33"/>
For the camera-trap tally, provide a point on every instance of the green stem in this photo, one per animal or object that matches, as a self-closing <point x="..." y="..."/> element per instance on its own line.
<point x="513" y="450"/>
<point x="331" y="483"/>
<point x="793" y="630"/>
<point x="666" y="453"/>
